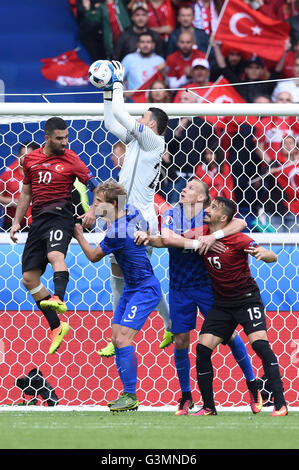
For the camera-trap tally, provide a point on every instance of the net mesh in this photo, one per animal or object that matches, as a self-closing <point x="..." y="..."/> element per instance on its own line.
<point x="252" y="160"/>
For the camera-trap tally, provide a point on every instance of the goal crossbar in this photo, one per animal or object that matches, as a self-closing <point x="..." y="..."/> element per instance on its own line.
<point x="136" y="109"/>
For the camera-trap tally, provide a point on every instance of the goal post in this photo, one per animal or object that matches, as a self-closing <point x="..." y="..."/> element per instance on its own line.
<point x="76" y="372"/>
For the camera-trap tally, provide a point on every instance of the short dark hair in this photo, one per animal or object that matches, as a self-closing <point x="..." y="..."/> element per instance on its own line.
<point x="146" y="33"/>
<point x="53" y="124"/>
<point x="161" y="119"/>
<point x="229" y="207"/>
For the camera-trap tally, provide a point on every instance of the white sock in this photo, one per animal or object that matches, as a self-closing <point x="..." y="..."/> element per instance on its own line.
<point x="117" y="286"/>
<point x="163" y="310"/>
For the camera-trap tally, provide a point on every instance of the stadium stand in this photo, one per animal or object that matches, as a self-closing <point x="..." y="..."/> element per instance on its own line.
<point x="32" y="31"/>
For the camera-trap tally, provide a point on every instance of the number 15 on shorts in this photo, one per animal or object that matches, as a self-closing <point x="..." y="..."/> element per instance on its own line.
<point x="256" y="315"/>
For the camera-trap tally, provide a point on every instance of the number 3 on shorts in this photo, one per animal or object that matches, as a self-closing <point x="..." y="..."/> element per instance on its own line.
<point x="133" y="310"/>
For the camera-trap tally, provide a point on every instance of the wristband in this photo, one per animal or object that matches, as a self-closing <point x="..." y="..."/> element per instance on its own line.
<point x="218" y="234"/>
<point x="108" y="95"/>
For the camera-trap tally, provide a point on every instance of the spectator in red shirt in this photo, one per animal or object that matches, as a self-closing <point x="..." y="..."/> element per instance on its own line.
<point x="286" y="188"/>
<point x="161" y="17"/>
<point x="288" y="68"/>
<point x="206" y="14"/>
<point x="215" y="171"/>
<point x="11" y="181"/>
<point x="200" y="78"/>
<point x="179" y="63"/>
<point x="270" y="131"/>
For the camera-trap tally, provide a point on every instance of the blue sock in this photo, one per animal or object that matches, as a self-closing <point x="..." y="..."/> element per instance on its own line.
<point x="126" y="362"/>
<point x="182" y="364"/>
<point x="240" y="354"/>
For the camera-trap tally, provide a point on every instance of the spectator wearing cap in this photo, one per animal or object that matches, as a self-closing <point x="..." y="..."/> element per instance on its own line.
<point x="127" y="41"/>
<point x="179" y="63"/>
<point x="227" y="60"/>
<point x="292" y="85"/>
<point x="141" y="65"/>
<point x="185" y="19"/>
<point x="200" y="78"/>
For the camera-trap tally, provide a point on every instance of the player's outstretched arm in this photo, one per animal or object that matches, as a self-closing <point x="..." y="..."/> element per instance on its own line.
<point x="118" y="105"/>
<point x="93" y="254"/>
<point x="171" y="239"/>
<point x="22" y="207"/>
<point x="143" y="238"/>
<point x="262" y="254"/>
<point x="236" y="225"/>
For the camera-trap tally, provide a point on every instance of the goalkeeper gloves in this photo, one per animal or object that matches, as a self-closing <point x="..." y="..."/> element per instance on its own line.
<point x="118" y="72"/>
<point x="117" y="77"/>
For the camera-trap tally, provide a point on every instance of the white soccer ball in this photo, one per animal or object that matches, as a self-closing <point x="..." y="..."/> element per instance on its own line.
<point x="100" y="74"/>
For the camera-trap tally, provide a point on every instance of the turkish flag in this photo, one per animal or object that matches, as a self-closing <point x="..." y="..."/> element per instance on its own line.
<point x="250" y="31"/>
<point x="221" y="92"/>
<point x="66" y="69"/>
<point x="288" y="179"/>
<point x="141" y="96"/>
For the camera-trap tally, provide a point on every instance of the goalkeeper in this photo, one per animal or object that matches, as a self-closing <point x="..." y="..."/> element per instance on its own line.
<point x="139" y="175"/>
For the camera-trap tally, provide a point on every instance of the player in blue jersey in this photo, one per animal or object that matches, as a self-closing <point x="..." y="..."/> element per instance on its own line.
<point x="190" y="286"/>
<point x="142" y="291"/>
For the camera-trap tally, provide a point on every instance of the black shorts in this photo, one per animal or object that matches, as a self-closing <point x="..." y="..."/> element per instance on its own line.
<point x="225" y="316"/>
<point x="48" y="232"/>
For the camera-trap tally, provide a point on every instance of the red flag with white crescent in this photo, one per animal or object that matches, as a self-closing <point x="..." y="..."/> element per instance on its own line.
<point x="141" y="95"/>
<point x="67" y="69"/>
<point x="250" y="31"/>
<point x="221" y="92"/>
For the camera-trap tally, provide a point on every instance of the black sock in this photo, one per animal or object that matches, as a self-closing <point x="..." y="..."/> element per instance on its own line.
<point x="50" y="315"/>
<point x="205" y="375"/>
<point x="186" y="396"/>
<point x="253" y="388"/>
<point x="60" y="279"/>
<point x="271" y="368"/>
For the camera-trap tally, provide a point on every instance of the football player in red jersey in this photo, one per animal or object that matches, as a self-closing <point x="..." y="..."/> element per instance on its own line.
<point x="49" y="174"/>
<point x="237" y="301"/>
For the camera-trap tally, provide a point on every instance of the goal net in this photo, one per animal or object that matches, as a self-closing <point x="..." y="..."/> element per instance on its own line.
<point x="246" y="152"/>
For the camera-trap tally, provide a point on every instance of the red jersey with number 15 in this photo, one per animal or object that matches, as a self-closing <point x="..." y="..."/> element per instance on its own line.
<point x="52" y="179"/>
<point x="229" y="271"/>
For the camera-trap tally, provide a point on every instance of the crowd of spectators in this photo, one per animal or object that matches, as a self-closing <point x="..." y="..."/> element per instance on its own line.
<point x="169" y="45"/>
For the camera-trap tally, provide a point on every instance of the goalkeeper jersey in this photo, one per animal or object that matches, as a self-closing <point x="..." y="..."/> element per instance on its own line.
<point x="141" y="169"/>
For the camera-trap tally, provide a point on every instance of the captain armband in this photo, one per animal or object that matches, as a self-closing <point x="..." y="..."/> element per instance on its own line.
<point x="92" y="184"/>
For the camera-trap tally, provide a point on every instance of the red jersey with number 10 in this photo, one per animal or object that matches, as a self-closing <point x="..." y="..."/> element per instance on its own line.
<point x="52" y="179"/>
<point x="229" y="271"/>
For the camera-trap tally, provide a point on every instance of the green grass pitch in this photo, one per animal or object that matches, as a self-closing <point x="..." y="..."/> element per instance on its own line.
<point x="146" y="430"/>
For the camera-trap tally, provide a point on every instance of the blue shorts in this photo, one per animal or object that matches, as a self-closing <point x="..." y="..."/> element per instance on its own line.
<point x="184" y="304"/>
<point x="136" y="304"/>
